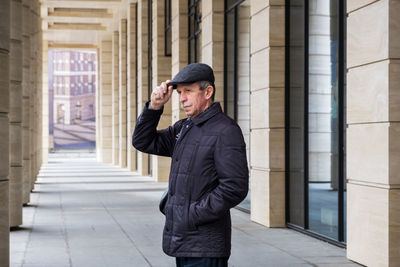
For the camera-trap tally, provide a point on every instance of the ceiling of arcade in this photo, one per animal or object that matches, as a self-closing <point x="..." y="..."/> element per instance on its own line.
<point x="80" y="23"/>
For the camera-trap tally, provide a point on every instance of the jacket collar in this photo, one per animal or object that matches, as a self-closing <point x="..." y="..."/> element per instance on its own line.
<point x="214" y="109"/>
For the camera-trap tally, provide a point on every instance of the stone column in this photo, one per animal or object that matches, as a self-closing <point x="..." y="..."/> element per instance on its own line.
<point x="212" y="42"/>
<point x="15" y="114"/>
<point x="39" y="86"/>
<point x="373" y="133"/>
<point x="267" y="133"/>
<point x="36" y="87"/>
<point x="106" y="100"/>
<point x="4" y="131"/>
<point x="26" y="35"/>
<point x="161" y="72"/>
<point x="99" y="110"/>
<point x="33" y="92"/>
<point x="179" y="57"/>
<point x="122" y="93"/>
<point x="132" y="111"/>
<point x="115" y="97"/>
<point x="142" y="92"/>
<point x="45" y="103"/>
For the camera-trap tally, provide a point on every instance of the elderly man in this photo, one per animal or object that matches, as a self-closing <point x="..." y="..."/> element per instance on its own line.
<point x="208" y="173"/>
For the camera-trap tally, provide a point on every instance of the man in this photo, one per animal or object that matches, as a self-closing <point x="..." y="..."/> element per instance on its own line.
<point x="208" y="173"/>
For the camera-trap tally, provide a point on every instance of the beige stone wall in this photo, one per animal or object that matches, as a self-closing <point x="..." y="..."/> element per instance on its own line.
<point x="115" y="98"/>
<point x="99" y="110"/>
<point x="106" y="100"/>
<point x="373" y="133"/>
<point x="212" y="42"/>
<point x="36" y="90"/>
<point x="122" y="93"/>
<point x="26" y="147"/>
<point x="45" y="102"/>
<point x="132" y="84"/>
<point x="243" y="78"/>
<point x="15" y="114"/>
<point x="179" y="57"/>
<point x="267" y="149"/>
<point x="4" y="131"/>
<point x="161" y="72"/>
<point x="142" y="88"/>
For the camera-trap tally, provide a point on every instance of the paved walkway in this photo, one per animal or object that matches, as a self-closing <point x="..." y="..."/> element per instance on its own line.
<point x="84" y="213"/>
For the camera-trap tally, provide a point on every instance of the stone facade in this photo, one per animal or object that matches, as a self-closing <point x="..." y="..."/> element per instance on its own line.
<point x="373" y="115"/>
<point x="132" y="61"/>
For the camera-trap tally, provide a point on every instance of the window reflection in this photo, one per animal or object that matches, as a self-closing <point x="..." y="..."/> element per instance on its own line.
<point x="237" y="70"/>
<point x="315" y="125"/>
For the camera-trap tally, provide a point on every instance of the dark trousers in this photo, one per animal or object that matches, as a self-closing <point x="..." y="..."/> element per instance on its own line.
<point x="201" y="262"/>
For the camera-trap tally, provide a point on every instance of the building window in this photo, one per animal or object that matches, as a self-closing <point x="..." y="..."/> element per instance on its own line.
<point x="194" y="36"/>
<point x="91" y="110"/>
<point x="167" y="28"/>
<point x="237" y="69"/>
<point x="315" y="121"/>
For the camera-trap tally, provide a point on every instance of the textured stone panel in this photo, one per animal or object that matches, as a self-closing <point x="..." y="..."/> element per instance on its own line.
<point x="394" y="92"/>
<point x="16" y="61"/>
<point x="394" y="226"/>
<point x="26" y="181"/>
<point x="4" y="146"/>
<point x="4" y="82"/>
<point x="357" y="4"/>
<point x="15" y="145"/>
<point x="394" y="153"/>
<point x="367" y="93"/>
<point x="368" y="34"/>
<point x="368" y="152"/>
<point x="268" y="198"/>
<point x="259" y="148"/>
<point x="394" y="29"/>
<point x="272" y="33"/>
<point x="258" y="5"/>
<point x="15" y="114"/>
<point x="15" y="196"/>
<point x="259" y="109"/>
<point x="4" y="224"/>
<point x="368" y="225"/>
<point x="268" y="68"/>
<point x="5" y="25"/>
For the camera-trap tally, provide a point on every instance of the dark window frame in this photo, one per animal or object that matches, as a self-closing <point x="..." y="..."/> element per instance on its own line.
<point x="193" y="36"/>
<point x="229" y="9"/>
<point x="341" y="126"/>
<point x="167" y="29"/>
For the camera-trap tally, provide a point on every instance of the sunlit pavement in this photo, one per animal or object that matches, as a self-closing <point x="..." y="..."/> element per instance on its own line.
<point x="85" y="213"/>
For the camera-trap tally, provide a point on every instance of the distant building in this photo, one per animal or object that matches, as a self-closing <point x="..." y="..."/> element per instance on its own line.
<point x="72" y="86"/>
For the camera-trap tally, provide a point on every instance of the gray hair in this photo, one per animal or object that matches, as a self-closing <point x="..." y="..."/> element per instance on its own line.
<point x="204" y="84"/>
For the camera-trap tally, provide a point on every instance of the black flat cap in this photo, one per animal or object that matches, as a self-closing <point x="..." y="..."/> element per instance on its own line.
<point x="194" y="72"/>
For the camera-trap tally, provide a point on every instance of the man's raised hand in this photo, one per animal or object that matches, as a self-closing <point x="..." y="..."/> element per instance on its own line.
<point x="160" y="95"/>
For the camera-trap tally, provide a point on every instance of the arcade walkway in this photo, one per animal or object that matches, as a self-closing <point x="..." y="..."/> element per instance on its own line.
<point x="85" y="213"/>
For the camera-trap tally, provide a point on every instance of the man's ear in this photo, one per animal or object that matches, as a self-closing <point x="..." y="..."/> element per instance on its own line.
<point x="209" y="91"/>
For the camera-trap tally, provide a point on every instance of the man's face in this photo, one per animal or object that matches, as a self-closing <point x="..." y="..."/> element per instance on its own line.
<point x="193" y="100"/>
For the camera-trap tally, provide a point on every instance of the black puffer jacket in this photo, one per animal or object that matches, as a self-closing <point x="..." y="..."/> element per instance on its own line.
<point x="208" y="176"/>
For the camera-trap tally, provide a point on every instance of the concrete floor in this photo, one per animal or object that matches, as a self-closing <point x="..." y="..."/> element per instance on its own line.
<point x="85" y="213"/>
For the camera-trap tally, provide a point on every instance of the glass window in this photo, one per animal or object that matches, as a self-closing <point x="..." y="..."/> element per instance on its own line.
<point x="167" y="29"/>
<point x="194" y="36"/>
<point x="237" y="70"/>
<point x="316" y="179"/>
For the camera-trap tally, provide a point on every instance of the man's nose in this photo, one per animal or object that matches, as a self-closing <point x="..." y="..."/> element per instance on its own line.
<point x="182" y="97"/>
